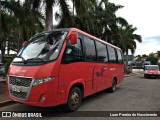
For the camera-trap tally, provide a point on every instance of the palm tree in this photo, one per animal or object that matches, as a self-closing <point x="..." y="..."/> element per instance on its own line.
<point x="49" y="14"/>
<point x="82" y="19"/>
<point x="82" y="6"/>
<point x="27" y="21"/>
<point x="18" y="22"/>
<point x="128" y="40"/>
<point x="3" y="34"/>
<point x="105" y="20"/>
<point x="65" y="13"/>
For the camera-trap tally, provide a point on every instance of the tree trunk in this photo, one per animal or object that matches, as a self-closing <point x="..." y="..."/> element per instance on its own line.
<point x="3" y="51"/>
<point x="73" y="8"/>
<point x="49" y="18"/>
<point x="0" y="13"/>
<point x="126" y="57"/>
<point x="8" y="48"/>
<point x="19" y="41"/>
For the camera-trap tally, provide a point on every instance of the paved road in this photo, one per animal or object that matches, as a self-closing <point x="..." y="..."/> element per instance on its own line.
<point x="133" y="94"/>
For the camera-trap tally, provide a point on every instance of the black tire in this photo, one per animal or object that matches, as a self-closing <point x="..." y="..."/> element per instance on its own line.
<point x="113" y="88"/>
<point x="157" y="77"/>
<point x="74" y="99"/>
<point x="145" y="76"/>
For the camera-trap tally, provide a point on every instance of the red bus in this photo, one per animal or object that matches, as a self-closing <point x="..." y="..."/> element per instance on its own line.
<point x="63" y="66"/>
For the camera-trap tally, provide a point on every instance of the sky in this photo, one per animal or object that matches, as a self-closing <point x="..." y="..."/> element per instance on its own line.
<point x="143" y="14"/>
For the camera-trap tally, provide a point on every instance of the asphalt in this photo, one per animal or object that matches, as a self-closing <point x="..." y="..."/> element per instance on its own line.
<point x="4" y="100"/>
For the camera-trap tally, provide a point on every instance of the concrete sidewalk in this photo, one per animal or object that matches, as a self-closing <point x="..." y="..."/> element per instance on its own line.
<point x="131" y="74"/>
<point x="4" y="100"/>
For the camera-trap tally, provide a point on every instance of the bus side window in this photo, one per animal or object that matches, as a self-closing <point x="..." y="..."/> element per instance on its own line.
<point x="119" y="54"/>
<point x="90" y="49"/>
<point x="73" y="52"/>
<point x="101" y="52"/>
<point x="112" y="54"/>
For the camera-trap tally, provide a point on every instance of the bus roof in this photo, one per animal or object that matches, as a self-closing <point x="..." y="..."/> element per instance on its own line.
<point x="80" y="31"/>
<point x="75" y="29"/>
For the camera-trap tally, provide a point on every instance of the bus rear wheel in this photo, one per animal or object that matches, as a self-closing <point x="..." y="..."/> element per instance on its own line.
<point x="113" y="88"/>
<point x="74" y="99"/>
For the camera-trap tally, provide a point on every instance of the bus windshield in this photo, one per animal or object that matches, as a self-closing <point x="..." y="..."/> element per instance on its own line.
<point x="42" y="48"/>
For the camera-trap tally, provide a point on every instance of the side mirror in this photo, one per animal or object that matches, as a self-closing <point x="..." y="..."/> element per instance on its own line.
<point x="74" y="38"/>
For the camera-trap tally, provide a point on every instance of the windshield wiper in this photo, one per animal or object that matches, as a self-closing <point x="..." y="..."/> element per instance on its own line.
<point x="31" y="59"/>
<point x="22" y="59"/>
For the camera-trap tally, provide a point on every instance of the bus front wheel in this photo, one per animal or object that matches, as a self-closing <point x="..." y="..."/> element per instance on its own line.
<point x="74" y="99"/>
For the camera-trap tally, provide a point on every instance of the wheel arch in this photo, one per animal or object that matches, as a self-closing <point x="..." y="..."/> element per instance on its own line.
<point x="116" y="79"/>
<point x="77" y="83"/>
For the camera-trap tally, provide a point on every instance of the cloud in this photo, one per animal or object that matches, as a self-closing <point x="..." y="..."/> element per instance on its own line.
<point x="148" y="45"/>
<point x="153" y="37"/>
<point x="143" y="14"/>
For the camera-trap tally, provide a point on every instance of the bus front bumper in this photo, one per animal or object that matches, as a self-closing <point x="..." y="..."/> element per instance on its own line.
<point x="44" y="95"/>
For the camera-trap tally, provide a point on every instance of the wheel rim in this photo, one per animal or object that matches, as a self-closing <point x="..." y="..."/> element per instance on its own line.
<point x="75" y="99"/>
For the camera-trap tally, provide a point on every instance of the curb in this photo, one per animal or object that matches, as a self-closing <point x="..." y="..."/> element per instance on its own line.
<point x="131" y="75"/>
<point x="6" y="103"/>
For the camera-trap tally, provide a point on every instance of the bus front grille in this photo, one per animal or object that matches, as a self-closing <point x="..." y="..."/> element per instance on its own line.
<point x="19" y="87"/>
<point x="20" y="81"/>
<point x="18" y="95"/>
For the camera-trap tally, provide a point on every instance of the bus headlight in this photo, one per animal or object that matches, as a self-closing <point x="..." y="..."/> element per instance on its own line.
<point x="42" y="80"/>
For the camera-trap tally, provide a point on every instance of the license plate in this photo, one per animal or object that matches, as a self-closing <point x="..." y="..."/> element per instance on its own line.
<point x="16" y="88"/>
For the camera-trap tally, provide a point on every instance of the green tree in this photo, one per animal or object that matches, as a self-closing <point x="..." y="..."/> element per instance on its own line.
<point x="153" y="59"/>
<point x="144" y="56"/>
<point x="94" y="17"/>
<point x="128" y="40"/>
<point x="158" y="53"/>
<point x="18" y="23"/>
<point x="64" y="9"/>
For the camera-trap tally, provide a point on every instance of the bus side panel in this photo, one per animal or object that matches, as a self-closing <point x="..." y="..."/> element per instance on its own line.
<point x="116" y="71"/>
<point x="71" y="72"/>
<point x="101" y="78"/>
<point x="110" y="75"/>
<point x="120" y="71"/>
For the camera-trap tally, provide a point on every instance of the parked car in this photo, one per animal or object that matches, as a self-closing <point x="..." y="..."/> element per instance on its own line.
<point x="151" y="71"/>
<point x="2" y="69"/>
